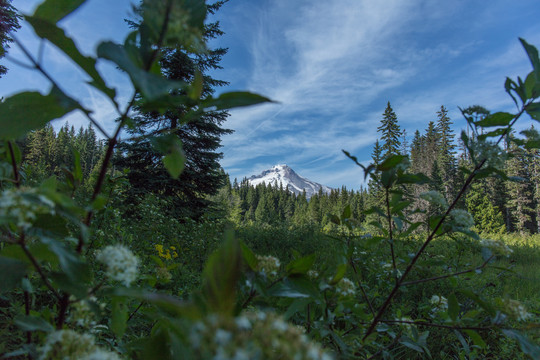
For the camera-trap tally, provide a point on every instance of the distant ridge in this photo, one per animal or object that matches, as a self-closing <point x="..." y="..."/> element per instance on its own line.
<point x="282" y="174"/>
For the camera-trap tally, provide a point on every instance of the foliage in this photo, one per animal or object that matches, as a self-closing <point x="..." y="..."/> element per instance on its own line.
<point x="9" y="21"/>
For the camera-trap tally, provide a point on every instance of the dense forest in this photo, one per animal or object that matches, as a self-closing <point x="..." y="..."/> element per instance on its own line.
<point x="136" y="244"/>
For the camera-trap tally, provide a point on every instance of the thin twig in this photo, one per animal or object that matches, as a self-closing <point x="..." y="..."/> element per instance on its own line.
<point x="38" y="269"/>
<point x="428" y="324"/>
<point x="135" y="311"/>
<point x="449" y="275"/>
<point x="14" y="165"/>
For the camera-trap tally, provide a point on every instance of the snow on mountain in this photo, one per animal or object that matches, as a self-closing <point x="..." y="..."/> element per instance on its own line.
<point x="282" y="174"/>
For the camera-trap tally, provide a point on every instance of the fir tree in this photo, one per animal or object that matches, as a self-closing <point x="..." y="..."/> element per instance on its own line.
<point x="201" y="137"/>
<point x="9" y="21"/>
<point x="390" y="132"/>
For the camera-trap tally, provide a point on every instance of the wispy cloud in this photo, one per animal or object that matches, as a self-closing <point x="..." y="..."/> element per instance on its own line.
<point x="333" y="66"/>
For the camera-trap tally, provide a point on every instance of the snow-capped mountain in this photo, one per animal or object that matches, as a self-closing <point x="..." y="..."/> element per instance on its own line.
<point x="282" y="174"/>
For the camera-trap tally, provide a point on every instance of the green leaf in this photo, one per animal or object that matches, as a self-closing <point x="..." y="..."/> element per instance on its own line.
<point x="391" y="162"/>
<point x="526" y="345"/>
<point x="297" y="287"/>
<point x="340" y="273"/>
<point x="64" y="283"/>
<point x="302" y="265"/>
<point x="234" y="99"/>
<point x="221" y="275"/>
<point x="151" y="86"/>
<point x="33" y="323"/>
<point x="477" y="299"/>
<point x="56" y="10"/>
<point x="533" y="110"/>
<point x="494" y="133"/>
<point x="453" y="307"/>
<point x="12" y="271"/>
<point x="174" y="159"/>
<point x="346" y="214"/>
<point x="47" y="30"/>
<point x="27" y="111"/>
<point x="413" y="179"/>
<point x="496" y="119"/>
<point x="119" y="316"/>
<point x="249" y="257"/>
<point x="175" y="162"/>
<point x="296" y="306"/>
<point x="532" y="53"/>
<point x="476" y="338"/>
<point x="71" y="264"/>
<point x="411" y="345"/>
<point x="400" y="206"/>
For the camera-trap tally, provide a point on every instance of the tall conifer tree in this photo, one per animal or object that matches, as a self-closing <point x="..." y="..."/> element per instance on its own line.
<point x="390" y="132"/>
<point x="201" y="137"/>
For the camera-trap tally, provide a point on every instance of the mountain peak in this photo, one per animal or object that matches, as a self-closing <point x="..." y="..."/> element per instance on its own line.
<point x="282" y="174"/>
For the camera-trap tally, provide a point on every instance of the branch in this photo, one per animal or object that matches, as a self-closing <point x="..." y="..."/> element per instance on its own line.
<point x="433" y="233"/>
<point x="449" y="275"/>
<point x="428" y="324"/>
<point x="14" y="165"/>
<point x="38" y="268"/>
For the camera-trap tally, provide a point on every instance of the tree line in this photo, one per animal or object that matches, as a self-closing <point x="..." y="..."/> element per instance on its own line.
<point x="497" y="205"/>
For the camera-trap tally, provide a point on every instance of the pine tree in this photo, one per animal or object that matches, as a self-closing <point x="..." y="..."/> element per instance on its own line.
<point x="445" y="158"/>
<point x="201" y="137"/>
<point x="390" y="132"/>
<point x="9" y="21"/>
<point x="520" y="192"/>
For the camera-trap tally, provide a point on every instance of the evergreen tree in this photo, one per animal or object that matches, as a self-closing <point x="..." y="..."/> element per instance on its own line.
<point x="9" y="21"/>
<point x="201" y="137"/>
<point x="445" y="158"/>
<point x="520" y="192"/>
<point x="390" y="132"/>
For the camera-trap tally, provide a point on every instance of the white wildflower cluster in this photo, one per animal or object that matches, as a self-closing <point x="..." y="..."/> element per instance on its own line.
<point x="434" y="197"/>
<point x="71" y="345"/>
<point x="312" y="274"/>
<point x="21" y="206"/>
<point x="440" y="303"/>
<point x="255" y="335"/>
<point x="345" y="287"/>
<point x="268" y="265"/>
<point x="497" y="246"/>
<point x="462" y="219"/>
<point x="405" y="322"/>
<point x="81" y="313"/>
<point x="120" y="262"/>
<point x="516" y="310"/>
<point x="163" y="274"/>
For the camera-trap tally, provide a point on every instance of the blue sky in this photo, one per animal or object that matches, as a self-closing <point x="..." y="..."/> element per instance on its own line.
<point x="331" y="65"/>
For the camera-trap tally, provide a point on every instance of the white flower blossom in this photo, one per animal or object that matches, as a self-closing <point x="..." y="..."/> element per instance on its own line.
<point x="120" y="262"/>
<point x="498" y="246"/>
<point x="252" y="335"/>
<point x="345" y="287"/>
<point x="440" y="302"/>
<point x="67" y="345"/>
<point x="516" y="309"/>
<point x="462" y="219"/>
<point x="100" y="354"/>
<point x="268" y="265"/>
<point x="434" y="197"/>
<point x="21" y="206"/>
